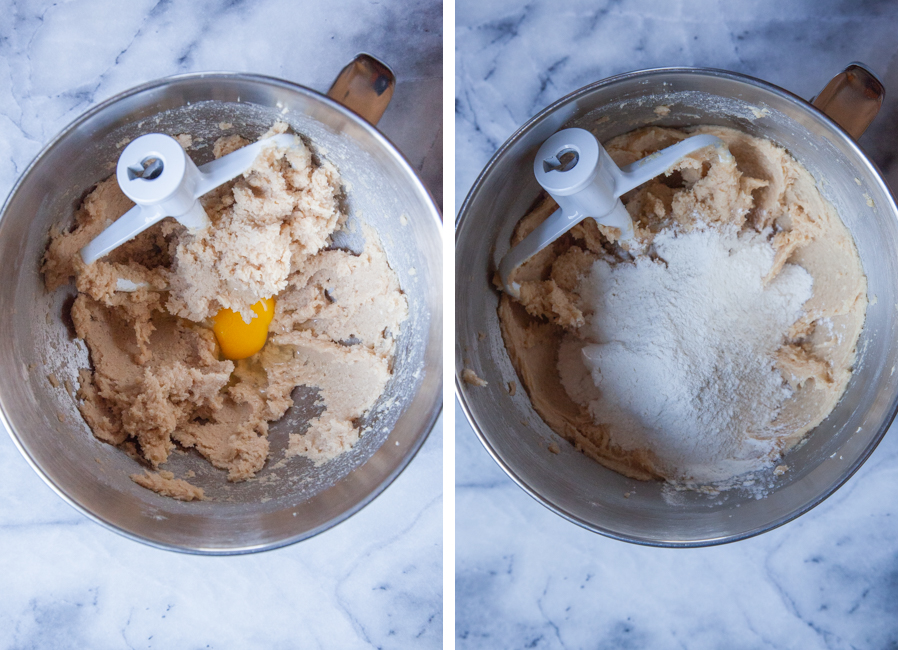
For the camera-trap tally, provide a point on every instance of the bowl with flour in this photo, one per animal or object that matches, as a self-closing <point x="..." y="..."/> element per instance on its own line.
<point x="644" y="409"/>
<point x="286" y="498"/>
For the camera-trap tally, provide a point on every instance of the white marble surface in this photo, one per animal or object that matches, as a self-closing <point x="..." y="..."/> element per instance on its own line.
<point x="525" y="577"/>
<point x="372" y="581"/>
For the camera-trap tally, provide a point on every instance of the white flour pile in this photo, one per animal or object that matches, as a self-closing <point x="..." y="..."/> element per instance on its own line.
<point x="677" y="353"/>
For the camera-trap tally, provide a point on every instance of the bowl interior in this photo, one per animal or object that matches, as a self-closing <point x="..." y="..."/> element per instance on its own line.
<point x="581" y="489"/>
<point x="287" y="501"/>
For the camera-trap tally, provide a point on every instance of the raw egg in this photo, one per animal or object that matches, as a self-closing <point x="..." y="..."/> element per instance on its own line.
<point x="239" y="340"/>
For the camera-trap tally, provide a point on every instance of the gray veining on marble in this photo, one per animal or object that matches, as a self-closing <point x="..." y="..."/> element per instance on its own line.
<point x="526" y="578"/>
<point x="372" y="581"/>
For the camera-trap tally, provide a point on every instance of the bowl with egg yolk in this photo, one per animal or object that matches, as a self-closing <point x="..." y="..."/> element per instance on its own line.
<point x="287" y="497"/>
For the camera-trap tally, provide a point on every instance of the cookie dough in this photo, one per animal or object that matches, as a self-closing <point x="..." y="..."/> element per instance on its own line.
<point x="157" y="380"/>
<point x="759" y="191"/>
<point x="166" y="484"/>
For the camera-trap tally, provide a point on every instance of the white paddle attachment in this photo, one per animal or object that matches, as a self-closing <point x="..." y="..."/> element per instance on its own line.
<point x="585" y="182"/>
<point x="156" y="173"/>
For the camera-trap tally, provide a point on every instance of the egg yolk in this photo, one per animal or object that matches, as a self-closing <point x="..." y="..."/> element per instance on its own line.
<point x="239" y="340"/>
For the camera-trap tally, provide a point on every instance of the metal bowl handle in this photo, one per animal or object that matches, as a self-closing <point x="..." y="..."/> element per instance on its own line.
<point x="365" y="86"/>
<point x="852" y="98"/>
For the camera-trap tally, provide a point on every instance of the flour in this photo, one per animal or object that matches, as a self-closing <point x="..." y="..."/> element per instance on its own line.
<point x="677" y="354"/>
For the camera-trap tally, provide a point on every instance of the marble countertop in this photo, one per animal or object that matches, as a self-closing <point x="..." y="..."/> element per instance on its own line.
<point x="526" y="578"/>
<point x="372" y="581"/>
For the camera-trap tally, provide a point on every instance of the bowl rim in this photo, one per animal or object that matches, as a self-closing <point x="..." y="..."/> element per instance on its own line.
<point x="431" y="416"/>
<point x="465" y="210"/>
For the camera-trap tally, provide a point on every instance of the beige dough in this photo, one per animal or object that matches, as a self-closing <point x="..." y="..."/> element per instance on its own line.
<point x="762" y="188"/>
<point x="157" y="379"/>
<point x="472" y="378"/>
<point x="167" y="485"/>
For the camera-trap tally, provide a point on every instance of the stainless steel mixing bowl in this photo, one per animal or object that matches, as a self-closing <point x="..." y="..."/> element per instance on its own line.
<point x="575" y="486"/>
<point x="284" y="504"/>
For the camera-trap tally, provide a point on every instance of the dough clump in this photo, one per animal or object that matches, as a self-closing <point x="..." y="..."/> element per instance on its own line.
<point x="157" y="379"/>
